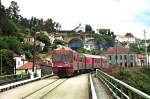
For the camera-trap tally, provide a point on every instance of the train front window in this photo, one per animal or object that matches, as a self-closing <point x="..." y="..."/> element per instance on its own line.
<point x="57" y="57"/>
<point x="67" y="58"/>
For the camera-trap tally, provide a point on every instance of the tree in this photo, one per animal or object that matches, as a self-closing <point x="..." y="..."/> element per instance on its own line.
<point x="129" y="35"/>
<point x="135" y="48"/>
<point x="7" y="27"/>
<point x="0" y="4"/>
<point x="13" y="11"/>
<point x="3" y="44"/>
<point x="13" y="44"/>
<point x="49" y="25"/>
<point x="43" y="38"/>
<point x="104" y="32"/>
<point x="88" y="29"/>
<point x="7" y="60"/>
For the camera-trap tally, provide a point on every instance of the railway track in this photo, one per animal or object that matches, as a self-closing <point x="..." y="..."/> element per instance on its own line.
<point x="43" y="91"/>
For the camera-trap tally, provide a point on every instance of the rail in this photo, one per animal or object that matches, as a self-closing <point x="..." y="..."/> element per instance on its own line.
<point x="119" y="89"/>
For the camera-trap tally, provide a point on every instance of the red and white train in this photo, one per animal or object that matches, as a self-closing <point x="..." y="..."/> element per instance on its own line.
<point x="67" y="62"/>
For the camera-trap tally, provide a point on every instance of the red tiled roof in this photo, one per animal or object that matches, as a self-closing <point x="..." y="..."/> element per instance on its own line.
<point x="141" y="57"/>
<point x="119" y="50"/>
<point x="28" y="65"/>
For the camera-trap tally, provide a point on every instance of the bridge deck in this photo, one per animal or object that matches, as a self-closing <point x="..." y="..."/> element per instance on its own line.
<point x="101" y="91"/>
<point x="74" y="88"/>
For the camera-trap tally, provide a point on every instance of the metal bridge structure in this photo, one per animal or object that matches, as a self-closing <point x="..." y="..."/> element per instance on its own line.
<point x="119" y="89"/>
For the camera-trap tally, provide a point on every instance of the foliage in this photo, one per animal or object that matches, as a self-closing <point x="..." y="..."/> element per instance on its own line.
<point x="43" y="38"/>
<point x="13" y="11"/>
<point x="135" y="48"/>
<point x="7" y="62"/>
<point x="107" y="39"/>
<point x="13" y="44"/>
<point x="59" y="42"/>
<point x="138" y="80"/>
<point x="7" y="26"/>
<point x="129" y="35"/>
<point x="146" y="70"/>
<point x="88" y="29"/>
<point x="82" y="50"/>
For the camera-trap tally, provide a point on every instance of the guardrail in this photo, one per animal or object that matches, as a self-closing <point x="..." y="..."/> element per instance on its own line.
<point x="19" y="83"/>
<point x="6" y="79"/>
<point x="119" y="89"/>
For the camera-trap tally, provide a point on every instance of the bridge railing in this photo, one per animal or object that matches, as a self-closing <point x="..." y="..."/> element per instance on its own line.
<point x="119" y="89"/>
<point x="13" y="78"/>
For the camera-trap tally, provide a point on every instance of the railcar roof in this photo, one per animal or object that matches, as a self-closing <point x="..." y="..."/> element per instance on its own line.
<point x="64" y="48"/>
<point x="93" y="56"/>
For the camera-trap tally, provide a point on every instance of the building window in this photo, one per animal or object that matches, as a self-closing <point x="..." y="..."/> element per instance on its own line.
<point x="109" y="57"/>
<point x="120" y="57"/>
<point x="91" y="46"/>
<point x="120" y="64"/>
<point x="125" y="57"/>
<point x="18" y="62"/>
<point x="131" y="57"/>
<point x="86" y="46"/>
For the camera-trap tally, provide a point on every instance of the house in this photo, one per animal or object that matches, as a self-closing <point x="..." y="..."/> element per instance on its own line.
<point x="19" y="60"/>
<point x="124" y="39"/>
<point x="27" y="68"/>
<point x="42" y="45"/>
<point x="90" y="44"/>
<point x="121" y="56"/>
<point x="30" y="39"/>
<point x="140" y="60"/>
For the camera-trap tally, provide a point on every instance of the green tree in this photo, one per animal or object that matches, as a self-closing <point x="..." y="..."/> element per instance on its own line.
<point x="13" y="11"/>
<point x="13" y="44"/>
<point x="49" y="25"/>
<point x="7" y="27"/>
<point x="43" y="38"/>
<point x="7" y="62"/>
<point x="135" y="48"/>
<point x="3" y="44"/>
<point x="129" y="35"/>
<point x="88" y="29"/>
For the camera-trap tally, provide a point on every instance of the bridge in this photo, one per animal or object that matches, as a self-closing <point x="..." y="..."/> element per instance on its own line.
<point x="97" y="85"/>
<point x="76" y="40"/>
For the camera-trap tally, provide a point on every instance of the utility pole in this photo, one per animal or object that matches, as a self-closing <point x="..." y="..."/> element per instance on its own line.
<point x="116" y="51"/>
<point x="145" y="47"/>
<point x="1" y="63"/>
<point x="33" y="54"/>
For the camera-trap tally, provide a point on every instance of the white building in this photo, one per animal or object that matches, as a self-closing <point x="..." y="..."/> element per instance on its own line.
<point x="19" y="60"/>
<point x="123" y="57"/>
<point x="126" y="39"/>
<point x="90" y="44"/>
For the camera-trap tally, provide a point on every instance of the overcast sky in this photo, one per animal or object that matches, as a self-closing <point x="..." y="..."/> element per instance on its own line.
<point x="121" y="16"/>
